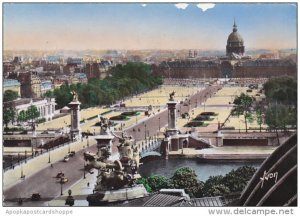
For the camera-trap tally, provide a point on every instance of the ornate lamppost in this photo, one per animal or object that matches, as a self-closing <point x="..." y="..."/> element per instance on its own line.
<point x="70" y="199"/>
<point x="61" y="185"/>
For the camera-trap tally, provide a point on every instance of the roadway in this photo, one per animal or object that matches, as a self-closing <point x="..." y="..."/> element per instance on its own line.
<point x="151" y="126"/>
<point x="44" y="181"/>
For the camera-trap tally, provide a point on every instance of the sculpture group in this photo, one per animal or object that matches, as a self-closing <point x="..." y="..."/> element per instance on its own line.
<point x="119" y="173"/>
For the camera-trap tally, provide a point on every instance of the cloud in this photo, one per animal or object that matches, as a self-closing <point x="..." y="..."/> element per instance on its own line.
<point x="182" y="6"/>
<point x="205" y="6"/>
<point x="144" y="5"/>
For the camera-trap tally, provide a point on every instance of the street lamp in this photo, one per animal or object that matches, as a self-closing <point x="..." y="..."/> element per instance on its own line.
<point x="49" y="161"/>
<point x="180" y="109"/>
<point x="22" y="174"/>
<point x="61" y="183"/>
<point x="32" y="148"/>
<point x="25" y="156"/>
<point x="69" y="150"/>
<point x="145" y="131"/>
<point x="84" y="171"/>
<point x="70" y="200"/>
<point x="158" y="123"/>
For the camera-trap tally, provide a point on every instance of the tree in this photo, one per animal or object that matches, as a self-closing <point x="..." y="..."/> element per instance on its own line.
<point x="278" y="116"/>
<point x="126" y="80"/>
<point x="32" y="113"/>
<point x="283" y="90"/>
<point x="158" y="182"/>
<point x="236" y="180"/>
<point x="259" y="117"/>
<point x="292" y="117"/>
<point x="10" y="95"/>
<point x="186" y="178"/>
<point x="214" y="186"/>
<point x="217" y="190"/>
<point x="144" y="182"/>
<point x="49" y="94"/>
<point x="63" y="96"/>
<point x="22" y="117"/>
<point x="242" y="107"/>
<point x="9" y="115"/>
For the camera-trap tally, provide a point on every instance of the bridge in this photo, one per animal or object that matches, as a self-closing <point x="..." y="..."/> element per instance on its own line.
<point x="150" y="147"/>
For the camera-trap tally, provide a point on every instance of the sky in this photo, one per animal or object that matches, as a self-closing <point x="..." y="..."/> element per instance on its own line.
<point x="37" y="26"/>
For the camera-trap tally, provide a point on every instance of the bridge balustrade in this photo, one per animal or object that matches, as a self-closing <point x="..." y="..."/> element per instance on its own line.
<point x="150" y="146"/>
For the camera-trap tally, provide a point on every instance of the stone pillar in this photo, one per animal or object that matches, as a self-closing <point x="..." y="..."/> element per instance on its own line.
<point x="171" y="114"/>
<point x="171" y="130"/>
<point x="75" y="120"/>
<point x="166" y="145"/>
<point x="104" y="141"/>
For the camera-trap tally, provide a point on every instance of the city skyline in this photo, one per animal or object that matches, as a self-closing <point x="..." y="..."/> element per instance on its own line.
<point x="101" y="26"/>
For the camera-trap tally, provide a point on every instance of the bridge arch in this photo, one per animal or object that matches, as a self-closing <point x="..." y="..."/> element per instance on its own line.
<point x="152" y="155"/>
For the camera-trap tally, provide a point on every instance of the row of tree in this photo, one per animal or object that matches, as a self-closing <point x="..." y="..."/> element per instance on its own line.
<point x="279" y="110"/>
<point x="10" y="95"/>
<point x="281" y="94"/>
<point x="186" y="178"/>
<point x="125" y="80"/>
<point x="10" y="115"/>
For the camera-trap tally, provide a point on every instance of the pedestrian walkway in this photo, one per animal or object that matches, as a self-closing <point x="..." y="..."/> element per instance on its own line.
<point x="80" y="190"/>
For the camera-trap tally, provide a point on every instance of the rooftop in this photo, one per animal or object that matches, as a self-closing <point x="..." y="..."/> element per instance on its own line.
<point x="10" y="82"/>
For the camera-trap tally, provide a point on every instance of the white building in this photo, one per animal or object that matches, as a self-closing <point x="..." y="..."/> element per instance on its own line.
<point x="46" y="106"/>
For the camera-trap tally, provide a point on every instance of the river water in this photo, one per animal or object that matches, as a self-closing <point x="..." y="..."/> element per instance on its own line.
<point x="203" y="170"/>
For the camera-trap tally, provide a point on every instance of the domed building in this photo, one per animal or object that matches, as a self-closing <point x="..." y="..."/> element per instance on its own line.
<point x="234" y="65"/>
<point x="235" y="43"/>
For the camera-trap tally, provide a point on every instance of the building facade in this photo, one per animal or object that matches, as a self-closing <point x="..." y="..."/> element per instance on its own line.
<point x="234" y="64"/>
<point x="46" y="85"/>
<point x="30" y="83"/>
<point x="45" y="106"/>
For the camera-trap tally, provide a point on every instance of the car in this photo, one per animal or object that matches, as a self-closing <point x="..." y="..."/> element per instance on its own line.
<point x="60" y="174"/>
<point x="63" y="180"/>
<point x="35" y="197"/>
<point x="66" y="158"/>
<point x="71" y="154"/>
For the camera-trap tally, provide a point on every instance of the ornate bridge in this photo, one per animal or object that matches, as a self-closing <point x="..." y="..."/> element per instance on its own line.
<point x="150" y="147"/>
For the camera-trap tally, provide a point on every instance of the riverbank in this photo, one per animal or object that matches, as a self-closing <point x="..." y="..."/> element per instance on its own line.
<point x="226" y="153"/>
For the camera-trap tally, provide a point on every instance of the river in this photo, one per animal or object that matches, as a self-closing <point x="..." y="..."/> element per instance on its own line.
<point x="203" y="170"/>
